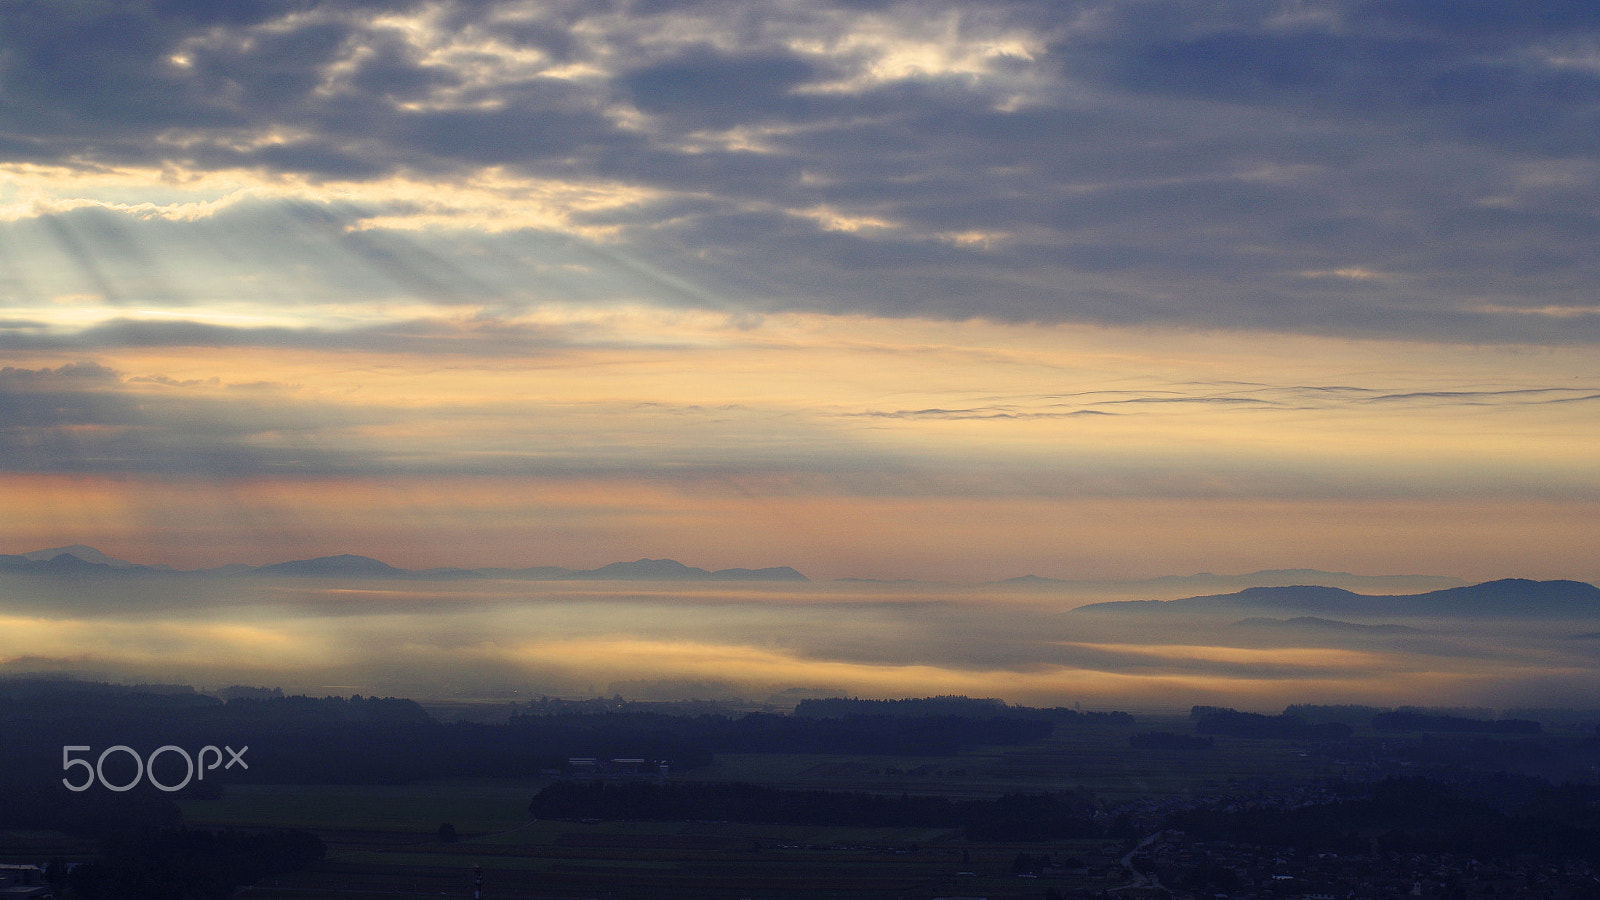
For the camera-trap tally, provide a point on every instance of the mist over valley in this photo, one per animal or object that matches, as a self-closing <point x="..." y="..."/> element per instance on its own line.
<point x="664" y="630"/>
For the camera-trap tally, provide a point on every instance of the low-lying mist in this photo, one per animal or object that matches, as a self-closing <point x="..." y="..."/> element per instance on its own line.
<point x="509" y="638"/>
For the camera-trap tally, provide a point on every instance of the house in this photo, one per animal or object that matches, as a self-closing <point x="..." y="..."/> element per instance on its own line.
<point x="23" y="883"/>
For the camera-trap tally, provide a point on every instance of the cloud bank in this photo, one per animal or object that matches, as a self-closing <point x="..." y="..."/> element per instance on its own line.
<point x="443" y="640"/>
<point x="1398" y="169"/>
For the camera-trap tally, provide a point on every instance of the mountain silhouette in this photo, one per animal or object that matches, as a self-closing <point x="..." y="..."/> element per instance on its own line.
<point x="1505" y="598"/>
<point x="342" y="566"/>
<point x="1520" y="596"/>
<point x="83" y="553"/>
<point x="83" y="560"/>
<point x="1208" y="583"/>
<point x="672" y="570"/>
<point x="648" y="569"/>
<point x="771" y="573"/>
<point x="67" y="564"/>
<point x="60" y="562"/>
<point x="1316" y="623"/>
<point x="1030" y="579"/>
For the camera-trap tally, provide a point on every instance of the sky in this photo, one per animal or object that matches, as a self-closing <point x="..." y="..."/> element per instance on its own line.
<point x="937" y="290"/>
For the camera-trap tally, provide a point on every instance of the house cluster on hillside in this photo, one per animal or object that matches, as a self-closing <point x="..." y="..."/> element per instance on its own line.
<point x="24" y="883"/>
<point x="1251" y="872"/>
<point x="592" y="768"/>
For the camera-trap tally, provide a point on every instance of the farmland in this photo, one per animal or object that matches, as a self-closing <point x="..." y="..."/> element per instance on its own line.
<point x="385" y="838"/>
<point x="920" y="802"/>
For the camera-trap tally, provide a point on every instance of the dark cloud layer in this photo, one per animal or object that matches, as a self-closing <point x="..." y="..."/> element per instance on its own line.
<point x="1400" y="168"/>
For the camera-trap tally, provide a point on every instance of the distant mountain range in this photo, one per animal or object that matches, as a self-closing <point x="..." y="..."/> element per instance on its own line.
<point x="1209" y="582"/>
<point x="1316" y="623"/>
<point x="1171" y="585"/>
<point x="82" y="560"/>
<point x="1305" y="606"/>
<point x="1506" y="598"/>
<point x="80" y="553"/>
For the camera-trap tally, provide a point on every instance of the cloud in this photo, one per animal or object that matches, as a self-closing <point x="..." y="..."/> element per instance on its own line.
<point x="387" y="421"/>
<point x="79" y="372"/>
<point x="1248" y="397"/>
<point x="1153" y="162"/>
<point x="703" y="89"/>
<point x="977" y="413"/>
<point x="581" y="399"/>
<point x="424" y="337"/>
<point x="88" y="418"/>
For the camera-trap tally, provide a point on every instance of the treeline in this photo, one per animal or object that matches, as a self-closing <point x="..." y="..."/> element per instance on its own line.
<point x="289" y="739"/>
<point x="1348" y="713"/>
<point x="370" y="740"/>
<point x="600" y="706"/>
<point x="933" y="735"/>
<point x="62" y="700"/>
<point x="1408" y="720"/>
<point x="1413" y="815"/>
<point x="1455" y="721"/>
<point x="1233" y="723"/>
<point x="948" y="705"/>
<point x="1167" y="740"/>
<point x="1013" y="817"/>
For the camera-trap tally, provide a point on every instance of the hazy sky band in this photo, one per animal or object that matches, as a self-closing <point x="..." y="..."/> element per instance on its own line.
<point x="887" y="289"/>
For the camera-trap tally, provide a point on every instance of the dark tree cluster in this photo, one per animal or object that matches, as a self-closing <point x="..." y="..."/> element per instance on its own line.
<point x="1030" y="863"/>
<point x="1022" y="817"/>
<point x="1232" y="723"/>
<point x="950" y="705"/>
<point x="1032" y="817"/>
<point x="1411" y="720"/>
<point x="1167" y="740"/>
<point x="371" y="740"/>
<point x="939" y="735"/>
<point x="735" y="802"/>
<point x="1413" y="815"/>
<point x="1348" y="713"/>
<point x="190" y="864"/>
<point x="1445" y="754"/>
<point x="600" y="706"/>
<point x="298" y="739"/>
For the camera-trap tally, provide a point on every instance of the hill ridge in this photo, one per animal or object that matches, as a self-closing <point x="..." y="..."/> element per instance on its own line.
<point x="1519" y="597"/>
<point x="83" y="559"/>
